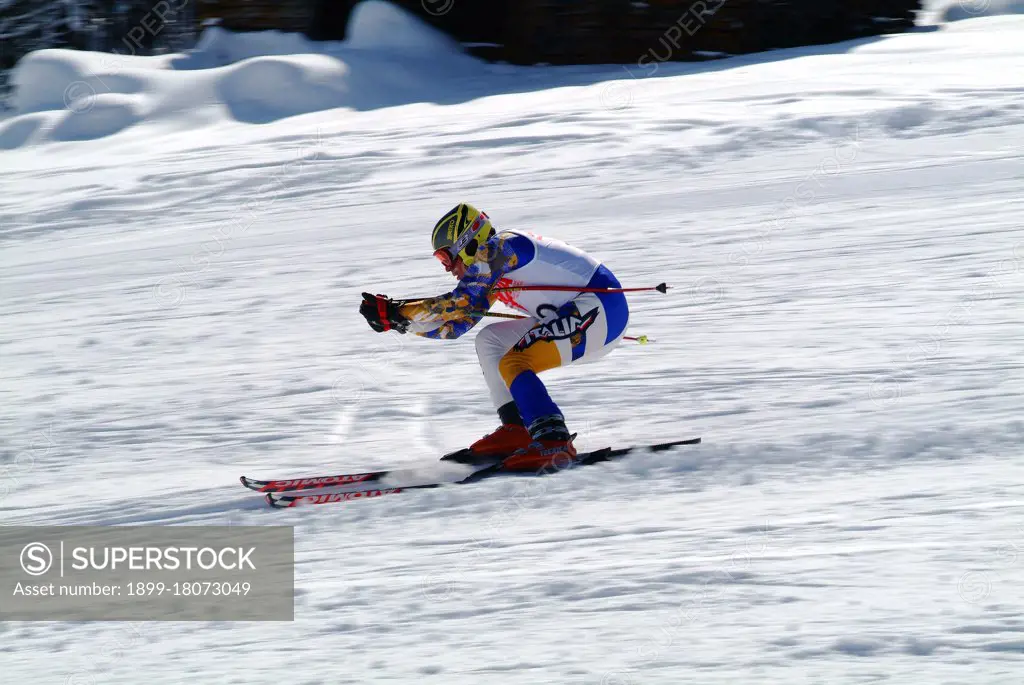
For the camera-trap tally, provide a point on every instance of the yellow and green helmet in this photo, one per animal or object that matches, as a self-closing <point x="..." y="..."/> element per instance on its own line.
<point x="460" y="233"/>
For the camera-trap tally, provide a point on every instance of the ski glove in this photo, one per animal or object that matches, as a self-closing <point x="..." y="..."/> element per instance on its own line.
<point x="381" y="312"/>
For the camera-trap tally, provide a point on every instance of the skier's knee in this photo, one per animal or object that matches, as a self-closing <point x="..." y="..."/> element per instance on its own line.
<point x="484" y="342"/>
<point x="538" y="357"/>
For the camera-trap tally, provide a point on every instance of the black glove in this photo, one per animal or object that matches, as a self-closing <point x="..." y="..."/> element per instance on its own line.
<point x="381" y="312"/>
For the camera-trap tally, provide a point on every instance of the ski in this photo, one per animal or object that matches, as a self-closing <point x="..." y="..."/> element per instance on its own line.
<point x="318" y="482"/>
<point x="281" y="500"/>
<point x="313" y="482"/>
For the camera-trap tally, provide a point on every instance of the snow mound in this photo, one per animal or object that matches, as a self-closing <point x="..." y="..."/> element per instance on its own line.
<point x="19" y="131"/>
<point x="391" y="58"/>
<point x="381" y="25"/>
<point x="99" y="116"/>
<point x="270" y="88"/>
<point x="218" y="47"/>
<point x="374" y="25"/>
<point x="53" y="79"/>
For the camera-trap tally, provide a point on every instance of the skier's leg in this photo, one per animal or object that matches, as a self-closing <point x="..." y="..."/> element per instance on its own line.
<point x="492" y="343"/>
<point x="519" y="369"/>
<point x="585" y="329"/>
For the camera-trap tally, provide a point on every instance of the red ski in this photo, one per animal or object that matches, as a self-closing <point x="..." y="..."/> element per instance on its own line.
<point x="312" y="483"/>
<point x="280" y="500"/>
<point x="318" y="482"/>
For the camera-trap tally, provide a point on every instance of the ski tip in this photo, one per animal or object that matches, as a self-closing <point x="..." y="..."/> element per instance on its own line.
<point x="458" y="455"/>
<point x="466" y="457"/>
<point x="250" y="483"/>
<point x="661" y="287"/>
<point x="675" y="443"/>
<point x="273" y="502"/>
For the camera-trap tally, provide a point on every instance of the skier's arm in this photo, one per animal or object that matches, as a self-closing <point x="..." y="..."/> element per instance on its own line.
<point x="455" y="313"/>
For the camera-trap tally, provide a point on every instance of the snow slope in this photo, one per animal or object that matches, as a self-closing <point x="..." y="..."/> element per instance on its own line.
<point x="842" y="228"/>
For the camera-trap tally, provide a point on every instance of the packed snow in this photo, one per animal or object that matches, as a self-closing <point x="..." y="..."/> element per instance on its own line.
<point x="184" y="243"/>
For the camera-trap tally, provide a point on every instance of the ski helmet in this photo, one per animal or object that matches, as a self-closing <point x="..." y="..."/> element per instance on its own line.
<point x="460" y="233"/>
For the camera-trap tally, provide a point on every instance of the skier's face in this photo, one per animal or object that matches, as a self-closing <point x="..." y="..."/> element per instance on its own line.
<point x="459" y="270"/>
<point x="452" y="265"/>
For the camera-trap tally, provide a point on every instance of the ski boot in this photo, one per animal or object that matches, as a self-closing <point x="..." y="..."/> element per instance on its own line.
<point x="510" y="436"/>
<point x="491" y="448"/>
<point x="551" y="448"/>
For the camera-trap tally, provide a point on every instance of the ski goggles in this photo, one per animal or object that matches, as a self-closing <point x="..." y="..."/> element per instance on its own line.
<point x="445" y="257"/>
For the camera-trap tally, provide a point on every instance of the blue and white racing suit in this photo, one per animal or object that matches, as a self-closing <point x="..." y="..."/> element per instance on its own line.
<point x="560" y="328"/>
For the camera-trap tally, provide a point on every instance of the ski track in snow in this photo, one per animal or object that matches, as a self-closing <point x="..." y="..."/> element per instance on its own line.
<point x="843" y="236"/>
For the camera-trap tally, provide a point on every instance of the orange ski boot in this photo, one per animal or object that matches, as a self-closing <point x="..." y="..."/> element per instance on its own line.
<point x="542" y="454"/>
<point x="551" y="447"/>
<point x="508" y="438"/>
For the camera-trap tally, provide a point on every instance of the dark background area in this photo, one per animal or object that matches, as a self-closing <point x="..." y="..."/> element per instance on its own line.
<point x="517" y="31"/>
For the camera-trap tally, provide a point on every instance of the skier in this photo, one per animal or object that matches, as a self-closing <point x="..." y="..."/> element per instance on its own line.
<point x="560" y="327"/>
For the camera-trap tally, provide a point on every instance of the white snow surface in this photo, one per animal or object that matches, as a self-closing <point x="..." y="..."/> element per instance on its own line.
<point x="956" y="10"/>
<point x="842" y="229"/>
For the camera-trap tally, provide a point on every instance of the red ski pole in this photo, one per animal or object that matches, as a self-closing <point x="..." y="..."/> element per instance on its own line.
<point x="661" y="288"/>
